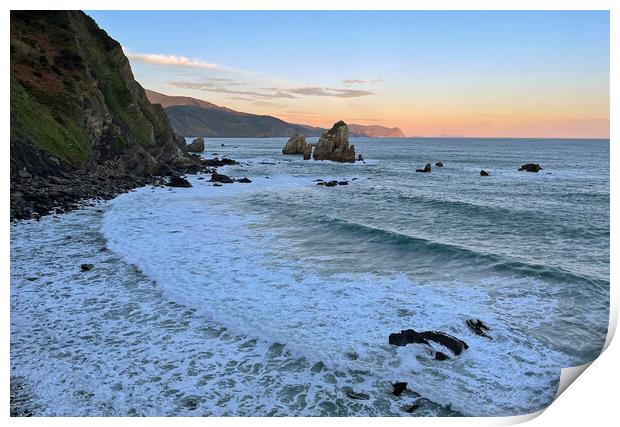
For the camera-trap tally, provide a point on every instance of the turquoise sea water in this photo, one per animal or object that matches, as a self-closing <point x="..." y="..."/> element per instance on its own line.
<point x="276" y="297"/>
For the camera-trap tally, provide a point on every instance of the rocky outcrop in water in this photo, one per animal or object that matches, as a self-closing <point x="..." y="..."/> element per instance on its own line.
<point x="439" y="164"/>
<point x="334" y="145"/>
<point x="177" y="181"/>
<point x="427" y="168"/>
<point x="224" y="179"/>
<point x="484" y="173"/>
<point x="197" y="145"/>
<point x="530" y="167"/>
<point x="296" y="145"/>
<point x="409" y="336"/>
<point x="479" y="327"/>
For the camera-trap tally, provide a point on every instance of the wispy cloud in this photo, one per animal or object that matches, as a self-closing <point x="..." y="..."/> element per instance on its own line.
<point x="350" y="82"/>
<point x="269" y="92"/>
<point x="326" y="91"/>
<point x="209" y="87"/>
<point x="176" y="61"/>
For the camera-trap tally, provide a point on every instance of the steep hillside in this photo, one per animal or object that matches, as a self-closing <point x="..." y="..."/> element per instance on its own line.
<point x="194" y="117"/>
<point x="73" y="95"/>
<point x="76" y="109"/>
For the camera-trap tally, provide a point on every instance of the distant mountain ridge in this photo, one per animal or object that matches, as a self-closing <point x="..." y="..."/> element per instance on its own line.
<point x="375" y="131"/>
<point x="195" y="117"/>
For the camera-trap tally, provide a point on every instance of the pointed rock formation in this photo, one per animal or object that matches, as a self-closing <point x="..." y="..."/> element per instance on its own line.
<point x="334" y="145"/>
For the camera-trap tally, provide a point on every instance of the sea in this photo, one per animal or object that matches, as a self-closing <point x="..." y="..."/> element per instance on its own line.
<point x="277" y="297"/>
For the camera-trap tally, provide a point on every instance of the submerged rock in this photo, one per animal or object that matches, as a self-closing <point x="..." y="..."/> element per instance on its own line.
<point x="484" y="173"/>
<point x="427" y="168"/>
<point x="530" y="167"/>
<point x="398" y="388"/>
<point x="334" y="145"/>
<point x="86" y="267"/>
<point x="360" y="158"/>
<point x="331" y="183"/>
<point x="177" y="181"/>
<point x="197" y="145"/>
<point x="343" y="182"/>
<point x="479" y="327"/>
<point x="357" y="396"/>
<point x="409" y="336"/>
<point x="439" y="164"/>
<point x="244" y="180"/>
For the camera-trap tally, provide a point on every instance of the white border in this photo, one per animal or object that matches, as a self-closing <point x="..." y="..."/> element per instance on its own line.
<point x="591" y="400"/>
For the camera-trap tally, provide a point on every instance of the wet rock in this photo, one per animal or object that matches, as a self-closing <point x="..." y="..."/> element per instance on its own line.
<point x="530" y="167"/>
<point x="215" y="162"/>
<point x="409" y="336"/>
<point x="343" y="182"/>
<point x="86" y="267"/>
<point x="331" y="183"/>
<point x="484" y="173"/>
<point x="244" y="180"/>
<point x="479" y="327"/>
<point x="308" y="152"/>
<point x="177" y="181"/>
<point x="334" y="145"/>
<point x="439" y="164"/>
<point x="355" y="395"/>
<point x="216" y="177"/>
<point x="196" y="146"/>
<point x="427" y="168"/>
<point x="320" y="183"/>
<point x="360" y="158"/>
<point x="398" y="388"/>
<point x="217" y="185"/>
<point x="441" y="356"/>
<point x="411" y="409"/>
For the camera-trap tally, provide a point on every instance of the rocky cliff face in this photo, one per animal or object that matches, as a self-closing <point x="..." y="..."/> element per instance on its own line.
<point x="76" y="108"/>
<point x="334" y="145"/>
<point x="73" y="96"/>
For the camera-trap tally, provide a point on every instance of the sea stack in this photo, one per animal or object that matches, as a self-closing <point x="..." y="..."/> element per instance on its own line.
<point x="197" y="145"/>
<point x="296" y="145"/>
<point x="334" y="145"/>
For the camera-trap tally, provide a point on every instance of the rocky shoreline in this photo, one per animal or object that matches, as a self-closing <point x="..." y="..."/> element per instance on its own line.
<point x="64" y="190"/>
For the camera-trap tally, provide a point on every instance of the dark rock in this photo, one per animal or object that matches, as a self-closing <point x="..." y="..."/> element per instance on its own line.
<point x="182" y="162"/>
<point x="308" y="152"/>
<point x="484" y="173"/>
<point x="409" y="336"/>
<point x="320" y="183"/>
<point x="317" y="180"/>
<point x="441" y="356"/>
<point x="439" y="164"/>
<point x="360" y="158"/>
<point x="177" y="181"/>
<point x="196" y="146"/>
<point x="217" y="162"/>
<point x="87" y="267"/>
<point x="398" y="388"/>
<point x="216" y="177"/>
<point x="412" y="408"/>
<point x="343" y="182"/>
<point x="478" y="327"/>
<point x="334" y="145"/>
<point x="530" y="167"/>
<point x="244" y="180"/>
<point x="331" y="183"/>
<point x="427" y="168"/>
<point x="217" y="185"/>
<point x="355" y="395"/>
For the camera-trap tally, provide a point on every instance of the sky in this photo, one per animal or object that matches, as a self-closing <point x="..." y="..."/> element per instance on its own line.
<point x="431" y="73"/>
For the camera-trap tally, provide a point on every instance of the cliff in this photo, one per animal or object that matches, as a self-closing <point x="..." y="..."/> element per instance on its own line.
<point x="76" y="109"/>
<point x="375" y="131"/>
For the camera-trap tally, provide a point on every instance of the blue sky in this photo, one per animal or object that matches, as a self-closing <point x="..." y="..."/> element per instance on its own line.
<point x="474" y="73"/>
